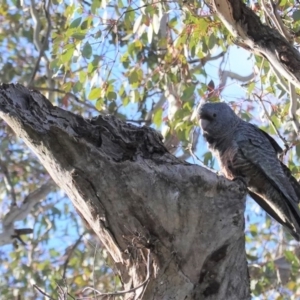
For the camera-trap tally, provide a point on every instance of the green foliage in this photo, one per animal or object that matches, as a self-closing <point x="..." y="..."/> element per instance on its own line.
<point x="150" y="63"/>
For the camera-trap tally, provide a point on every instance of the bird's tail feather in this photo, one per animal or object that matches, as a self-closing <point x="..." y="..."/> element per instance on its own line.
<point x="293" y="226"/>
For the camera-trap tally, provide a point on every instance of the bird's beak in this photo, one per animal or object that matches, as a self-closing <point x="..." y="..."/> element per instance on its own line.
<point x="204" y="118"/>
<point x="203" y="123"/>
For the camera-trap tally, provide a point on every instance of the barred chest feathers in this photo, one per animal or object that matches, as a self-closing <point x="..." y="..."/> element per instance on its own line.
<point x="227" y="159"/>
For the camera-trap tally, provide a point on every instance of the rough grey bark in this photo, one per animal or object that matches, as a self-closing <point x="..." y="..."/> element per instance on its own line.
<point x="244" y="24"/>
<point x="176" y="224"/>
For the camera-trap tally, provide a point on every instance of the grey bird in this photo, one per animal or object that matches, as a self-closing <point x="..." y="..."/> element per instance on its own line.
<point x="246" y="152"/>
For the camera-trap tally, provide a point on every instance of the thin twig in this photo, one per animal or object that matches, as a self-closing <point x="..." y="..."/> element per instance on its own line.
<point x="278" y="21"/>
<point x="207" y="58"/>
<point x="64" y="92"/>
<point x="191" y="147"/>
<point x="134" y="9"/>
<point x="279" y="78"/>
<point x="64" y="292"/>
<point x="94" y="262"/>
<point x="43" y="48"/>
<point x="270" y="120"/>
<point x="126" y="291"/>
<point x="8" y="183"/>
<point x="293" y="107"/>
<point x="70" y="253"/>
<point x="42" y="292"/>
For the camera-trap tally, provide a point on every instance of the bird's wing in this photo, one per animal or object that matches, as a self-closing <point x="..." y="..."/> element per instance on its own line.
<point x="257" y="151"/>
<point x="274" y="144"/>
<point x="286" y="170"/>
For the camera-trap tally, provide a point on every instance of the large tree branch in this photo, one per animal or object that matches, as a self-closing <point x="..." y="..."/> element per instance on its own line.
<point x="243" y="23"/>
<point x="17" y="213"/>
<point x="138" y="198"/>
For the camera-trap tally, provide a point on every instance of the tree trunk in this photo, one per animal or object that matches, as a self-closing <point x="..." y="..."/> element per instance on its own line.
<point x="174" y="230"/>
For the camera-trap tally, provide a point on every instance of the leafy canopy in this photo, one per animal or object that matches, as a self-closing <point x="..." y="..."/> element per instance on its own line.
<point x="149" y="63"/>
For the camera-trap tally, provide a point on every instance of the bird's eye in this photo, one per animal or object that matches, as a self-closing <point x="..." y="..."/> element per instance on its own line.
<point x="214" y="115"/>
